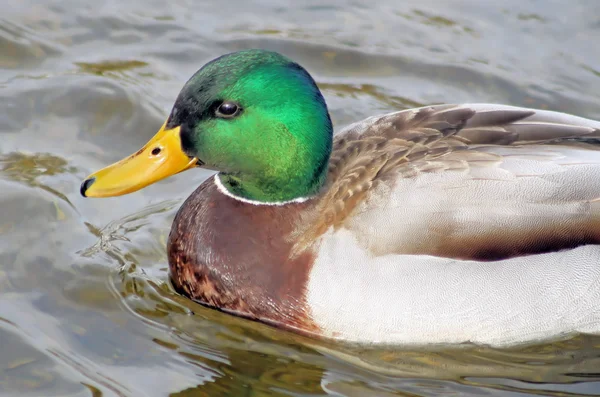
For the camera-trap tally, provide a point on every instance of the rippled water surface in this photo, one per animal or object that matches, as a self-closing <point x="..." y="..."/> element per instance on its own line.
<point x="86" y="308"/>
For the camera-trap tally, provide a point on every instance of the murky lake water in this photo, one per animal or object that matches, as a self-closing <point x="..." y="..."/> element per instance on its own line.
<point x="86" y="308"/>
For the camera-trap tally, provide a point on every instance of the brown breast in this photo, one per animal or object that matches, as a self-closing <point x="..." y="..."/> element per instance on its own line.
<point x="238" y="257"/>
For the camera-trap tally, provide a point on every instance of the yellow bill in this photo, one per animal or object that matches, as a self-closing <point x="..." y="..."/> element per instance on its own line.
<point x="160" y="158"/>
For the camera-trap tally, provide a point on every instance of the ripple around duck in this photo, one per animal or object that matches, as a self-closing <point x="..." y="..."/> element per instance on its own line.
<point x="377" y="370"/>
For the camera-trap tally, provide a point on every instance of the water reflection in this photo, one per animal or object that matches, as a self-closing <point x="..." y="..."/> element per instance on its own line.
<point x="29" y="169"/>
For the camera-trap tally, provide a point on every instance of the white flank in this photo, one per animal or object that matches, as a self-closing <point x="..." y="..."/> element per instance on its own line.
<point x="412" y="299"/>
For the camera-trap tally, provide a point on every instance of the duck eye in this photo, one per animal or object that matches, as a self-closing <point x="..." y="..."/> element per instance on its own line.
<point x="228" y="110"/>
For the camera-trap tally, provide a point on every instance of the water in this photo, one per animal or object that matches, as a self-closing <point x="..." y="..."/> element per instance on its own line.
<point x="85" y="304"/>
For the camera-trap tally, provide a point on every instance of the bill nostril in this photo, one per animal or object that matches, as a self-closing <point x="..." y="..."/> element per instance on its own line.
<point x="156" y="151"/>
<point x="86" y="185"/>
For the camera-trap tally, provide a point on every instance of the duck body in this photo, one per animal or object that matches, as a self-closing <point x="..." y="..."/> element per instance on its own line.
<point x="491" y="242"/>
<point x="443" y="224"/>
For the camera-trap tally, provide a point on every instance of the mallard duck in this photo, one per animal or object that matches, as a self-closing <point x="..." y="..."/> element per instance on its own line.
<point x="443" y="224"/>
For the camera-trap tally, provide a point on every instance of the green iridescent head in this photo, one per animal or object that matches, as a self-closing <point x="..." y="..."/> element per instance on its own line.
<point x="255" y="116"/>
<point x="260" y="119"/>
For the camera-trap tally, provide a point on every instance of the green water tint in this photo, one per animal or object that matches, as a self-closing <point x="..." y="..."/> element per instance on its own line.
<point x="86" y="308"/>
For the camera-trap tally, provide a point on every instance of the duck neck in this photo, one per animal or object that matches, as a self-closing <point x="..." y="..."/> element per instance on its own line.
<point x="293" y="175"/>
